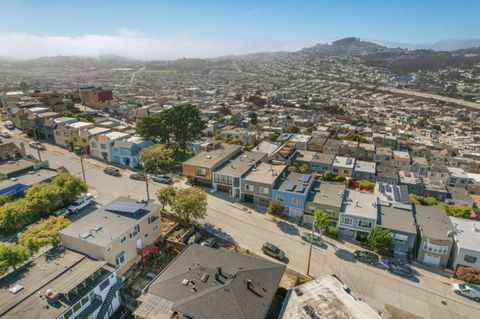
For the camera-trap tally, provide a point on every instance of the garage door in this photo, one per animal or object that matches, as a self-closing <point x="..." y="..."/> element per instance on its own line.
<point x="294" y="213"/>
<point x="431" y="259"/>
<point x="346" y="233"/>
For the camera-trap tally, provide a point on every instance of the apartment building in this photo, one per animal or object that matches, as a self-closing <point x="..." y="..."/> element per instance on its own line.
<point x="116" y="233"/>
<point x="101" y="144"/>
<point x="291" y="191"/>
<point x="65" y="133"/>
<point x="258" y="184"/>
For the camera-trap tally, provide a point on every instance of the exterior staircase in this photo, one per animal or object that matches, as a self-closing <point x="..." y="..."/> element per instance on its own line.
<point x="107" y="301"/>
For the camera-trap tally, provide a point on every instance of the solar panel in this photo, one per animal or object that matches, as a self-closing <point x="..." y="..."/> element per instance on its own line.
<point x="306" y="178"/>
<point x="290" y="187"/>
<point x="125" y="207"/>
<point x="300" y="189"/>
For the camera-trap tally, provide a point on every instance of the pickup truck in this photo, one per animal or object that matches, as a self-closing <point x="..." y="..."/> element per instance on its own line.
<point x="467" y="290"/>
<point x="80" y="203"/>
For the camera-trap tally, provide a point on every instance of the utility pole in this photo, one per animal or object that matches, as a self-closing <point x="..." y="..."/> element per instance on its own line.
<point x="83" y="168"/>
<point x="146" y="182"/>
<point x="311" y="247"/>
<point x="38" y="144"/>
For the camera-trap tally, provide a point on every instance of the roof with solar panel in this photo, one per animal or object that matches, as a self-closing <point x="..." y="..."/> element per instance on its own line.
<point x="110" y="221"/>
<point x="395" y="196"/>
<point x="296" y="183"/>
<point x="346" y="162"/>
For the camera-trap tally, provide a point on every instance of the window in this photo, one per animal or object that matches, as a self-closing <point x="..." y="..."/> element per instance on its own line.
<point x="146" y="235"/>
<point x="280" y="198"/>
<point x="329" y="211"/>
<point x="364" y="224"/>
<point x="68" y="314"/>
<point x="223" y="179"/>
<point x="435" y="248"/>
<point x="200" y="171"/>
<point x="311" y="209"/>
<point x="347" y="221"/>
<point x="109" y="247"/>
<point x="156" y="227"/>
<point x="399" y="238"/>
<point x="94" y="145"/>
<point x="104" y="284"/>
<point x="136" y="230"/>
<point x="85" y="300"/>
<point x="120" y="259"/>
<point x="103" y="146"/>
<point x="152" y="218"/>
<point x="249" y="187"/>
<point x="296" y="201"/>
<point x="76" y="306"/>
<point x="123" y="239"/>
<point x="470" y="259"/>
<point x="264" y="190"/>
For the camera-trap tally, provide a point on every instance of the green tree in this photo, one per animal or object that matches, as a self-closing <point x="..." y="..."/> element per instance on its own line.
<point x="328" y="176"/>
<point x="253" y="118"/>
<point x="174" y="127"/>
<point x="224" y="110"/>
<point x="45" y="232"/>
<point x="166" y="196"/>
<point x="12" y="255"/>
<point x="320" y="218"/>
<point x="379" y="239"/>
<point x="275" y="209"/>
<point x="157" y="158"/>
<point x="15" y="215"/>
<point x="292" y="129"/>
<point x="190" y="204"/>
<point x="273" y="137"/>
<point x="71" y="187"/>
<point x="459" y="211"/>
<point x="44" y="198"/>
<point x="303" y="169"/>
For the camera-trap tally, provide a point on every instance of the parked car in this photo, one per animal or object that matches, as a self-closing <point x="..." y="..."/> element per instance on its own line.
<point x="401" y="269"/>
<point x="210" y="242"/>
<point x="110" y="170"/>
<point x="5" y="134"/>
<point x="366" y="257"/>
<point x="138" y="176"/>
<point x="161" y="178"/>
<point x="273" y="251"/>
<point x="9" y="125"/>
<point x="62" y="212"/>
<point x="307" y="236"/>
<point x="36" y="145"/>
<point x="467" y="290"/>
<point x="80" y="203"/>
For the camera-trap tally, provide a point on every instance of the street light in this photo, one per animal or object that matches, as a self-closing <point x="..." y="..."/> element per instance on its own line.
<point x="83" y="168"/>
<point x="38" y="144"/>
<point x="146" y="182"/>
<point x="311" y="247"/>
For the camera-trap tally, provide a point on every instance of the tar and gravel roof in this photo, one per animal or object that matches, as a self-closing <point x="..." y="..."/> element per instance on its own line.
<point x="467" y="233"/>
<point x="265" y="173"/>
<point x="240" y="165"/>
<point x="330" y="194"/>
<point x="213" y="158"/>
<point x="433" y="222"/>
<point x="361" y="204"/>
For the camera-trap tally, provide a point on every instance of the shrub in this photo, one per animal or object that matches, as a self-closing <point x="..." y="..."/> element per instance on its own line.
<point x="468" y="274"/>
<point x="275" y="209"/>
<point x="340" y="178"/>
<point x="331" y="231"/>
<point x="45" y="232"/>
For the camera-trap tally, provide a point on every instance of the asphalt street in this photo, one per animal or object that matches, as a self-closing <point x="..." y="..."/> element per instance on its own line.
<point x="428" y="295"/>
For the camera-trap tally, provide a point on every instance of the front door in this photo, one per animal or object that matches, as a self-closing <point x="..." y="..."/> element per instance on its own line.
<point x="139" y="243"/>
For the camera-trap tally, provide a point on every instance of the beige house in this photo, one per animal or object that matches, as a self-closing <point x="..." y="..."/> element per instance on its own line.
<point x="64" y="134"/>
<point x="116" y="233"/>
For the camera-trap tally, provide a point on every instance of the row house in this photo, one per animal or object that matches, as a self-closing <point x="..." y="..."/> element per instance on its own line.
<point x="257" y="185"/>
<point x="65" y="133"/>
<point x="101" y="144"/>
<point x="292" y="191"/>
<point x="126" y="151"/>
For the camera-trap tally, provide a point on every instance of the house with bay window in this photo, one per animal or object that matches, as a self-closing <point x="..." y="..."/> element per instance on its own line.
<point x="258" y="183"/>
<point x="292" y="190"/>
<point x="358" y="215"/>
<point x="60" y="284"/>
<point x="435" y="231"/>
<point x="227" y="178"/>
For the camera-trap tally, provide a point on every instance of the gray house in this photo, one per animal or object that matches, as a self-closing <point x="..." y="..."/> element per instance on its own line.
<point x="258" y="183"/>
<point x="466" y="247"/>
<point x="435" y="232"/>
<point x="365" y="171"/>
<point x="395" y="214"/>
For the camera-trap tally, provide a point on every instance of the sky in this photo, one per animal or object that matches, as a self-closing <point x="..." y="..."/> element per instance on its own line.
<point x="147" y="29"/>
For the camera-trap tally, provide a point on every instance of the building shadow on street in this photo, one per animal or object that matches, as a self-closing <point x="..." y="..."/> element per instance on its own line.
<point x="345" y="255"/>
<point x="287" y="228"/>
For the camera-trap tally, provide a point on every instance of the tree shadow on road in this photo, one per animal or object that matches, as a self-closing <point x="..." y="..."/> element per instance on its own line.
<point x="345" y="255"/>
<point x="218" y="232"/>
<point x="288" y="228"/>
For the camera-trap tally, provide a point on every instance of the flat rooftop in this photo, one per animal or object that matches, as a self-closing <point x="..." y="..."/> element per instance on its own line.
<point x="330" y="194"/>
<point x="367" y="167"/>
<point x="393" y="195"/>
<point x="241" y="164"/>
<point x="397" y="219"/>
<point x="467" y="232"/>
<point x="433" y="222"/>
<point x="29" y="179"/>
<point x="8" y="169"/>
<point x="326" y="298"/>
<point x="265" y="173"/>
<point x="344" y="162"/>
<point x="296" y="183"/>
<point x="109" y="222"/>
<point x="212" y="158"/>
<point x="361" y="204"/>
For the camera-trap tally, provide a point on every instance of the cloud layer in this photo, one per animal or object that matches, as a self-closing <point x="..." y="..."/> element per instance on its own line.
<point x="130" y="44"/>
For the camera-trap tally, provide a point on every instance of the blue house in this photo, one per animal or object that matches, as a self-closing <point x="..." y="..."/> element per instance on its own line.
<point x="292" y="191"/>
<point x="126" y="151"/>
